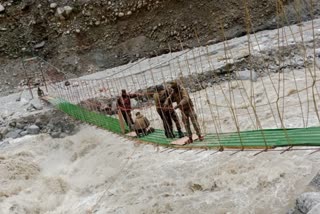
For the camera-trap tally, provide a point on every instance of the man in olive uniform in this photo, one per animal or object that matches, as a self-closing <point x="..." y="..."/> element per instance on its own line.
<point x="141" y="125"/>
<point x="167" y="113"/>
<point x="185" y="104"/>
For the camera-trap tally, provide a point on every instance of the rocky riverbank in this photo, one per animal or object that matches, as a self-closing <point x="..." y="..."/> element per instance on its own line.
<point x="309" y="202"/>
<point x="53" y="122"/>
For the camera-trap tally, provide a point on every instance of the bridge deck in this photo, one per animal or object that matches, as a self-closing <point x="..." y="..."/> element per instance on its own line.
<point x="267" y="138"/>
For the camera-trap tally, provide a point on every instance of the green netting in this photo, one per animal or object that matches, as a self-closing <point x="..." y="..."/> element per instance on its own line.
<point x="248" y="139"/>
<point x="94" y="118"/>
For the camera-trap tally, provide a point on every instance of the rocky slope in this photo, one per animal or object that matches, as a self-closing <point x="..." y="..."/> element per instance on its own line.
<point x="85" y="36"/>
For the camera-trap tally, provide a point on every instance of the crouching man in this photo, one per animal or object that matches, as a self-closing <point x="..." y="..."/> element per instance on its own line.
<point x="141" y="125"/>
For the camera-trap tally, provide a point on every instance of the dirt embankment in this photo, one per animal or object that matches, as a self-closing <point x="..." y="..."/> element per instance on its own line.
<point x="85" y="36"/>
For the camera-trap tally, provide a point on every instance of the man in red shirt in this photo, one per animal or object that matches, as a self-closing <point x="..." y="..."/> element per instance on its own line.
<point x="124" y="104"/>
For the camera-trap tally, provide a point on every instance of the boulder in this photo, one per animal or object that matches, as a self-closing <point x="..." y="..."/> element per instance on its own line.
<point x="315" y="209"/>
<point x="34" y="106"/>
<point x="4" y="144"/>
<point x="14" y="134"/>
<point x="316" y="181"/>
<point x="246" y="75"/>
<point x="1" y="8"/>
<point x="13" y="124"/>
<point x="4" y="131"/>
<point x="24" y="133"/>
<point x="20" y="126"/>
<point x="39" y="122"/>
<point x="307" y="201"/>
<point x="69" y="128"/>
<point x="55" y="134"/>
<point x="33" y="129"/>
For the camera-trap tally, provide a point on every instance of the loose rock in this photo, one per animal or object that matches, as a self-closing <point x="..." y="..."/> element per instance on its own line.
<point x="20" y="126"/>
<point x="1" y="8"/>
<point x="14" y="134"/>
<point x="307" y="201"/>
<point x="315" y="209"/>
<point x="4" y="131"/>
<point x="4" y="144"/>
<point x="39" y="122"/>
<point x="68" y="10"/>
<point x="13" y="124"/>
<point x="246" y="75"/>
<point x="59" y="13"/>
<point x="33" y="129"/>
<point x="24" y="133"/>
<point x="53" y="5"/>
<point x="316" y="181"/>
<point x="40" y="45"/>
<point x="55" y="134"/>
<point x="35" y="106"/>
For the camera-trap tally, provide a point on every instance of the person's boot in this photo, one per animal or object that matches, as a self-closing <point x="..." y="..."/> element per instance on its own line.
<point x="172" y="135"/>
<point x="166" y="133"/>
<point x="190" y="139"/>
<point x="180" y="133"/>
<point x="201" y="138"/>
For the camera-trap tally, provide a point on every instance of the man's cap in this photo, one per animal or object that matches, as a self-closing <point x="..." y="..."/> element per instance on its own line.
<point x="174" y="84"/>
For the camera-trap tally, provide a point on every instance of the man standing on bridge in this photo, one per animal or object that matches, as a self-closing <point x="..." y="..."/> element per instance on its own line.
<point x="167" y="113"/>
<point x="185" y="104"/>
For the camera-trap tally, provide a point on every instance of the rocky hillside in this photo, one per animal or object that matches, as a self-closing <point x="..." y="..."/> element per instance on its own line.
<point x="86" y="36"/>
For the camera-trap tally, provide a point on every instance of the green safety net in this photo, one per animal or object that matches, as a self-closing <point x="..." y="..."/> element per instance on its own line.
<point x="247" y="139"/>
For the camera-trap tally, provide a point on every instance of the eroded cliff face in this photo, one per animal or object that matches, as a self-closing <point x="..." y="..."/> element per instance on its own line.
<point x="84" y="36"/>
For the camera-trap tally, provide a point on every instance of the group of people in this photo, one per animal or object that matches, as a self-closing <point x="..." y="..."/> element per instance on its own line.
<point x="164" y="98"/>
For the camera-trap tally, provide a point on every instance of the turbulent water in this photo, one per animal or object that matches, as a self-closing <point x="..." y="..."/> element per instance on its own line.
<point x="95" y="171"/>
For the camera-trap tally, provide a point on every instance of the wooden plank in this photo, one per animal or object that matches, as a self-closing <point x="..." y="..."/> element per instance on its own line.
<point x="132" y="134"/>
<point x="121" y="122"/>
<point x="184" y="140"/>
<point x="46" y="98"/>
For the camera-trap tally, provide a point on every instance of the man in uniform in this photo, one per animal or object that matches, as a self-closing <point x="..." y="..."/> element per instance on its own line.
<point x="124" y="104"/>
<point x="141" y="125"/>
<point x="167" y="113"/>
<point x="185" y="104"/>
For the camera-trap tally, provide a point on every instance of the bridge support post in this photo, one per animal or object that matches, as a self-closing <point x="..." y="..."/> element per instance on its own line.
<point x="121" y="122"/>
